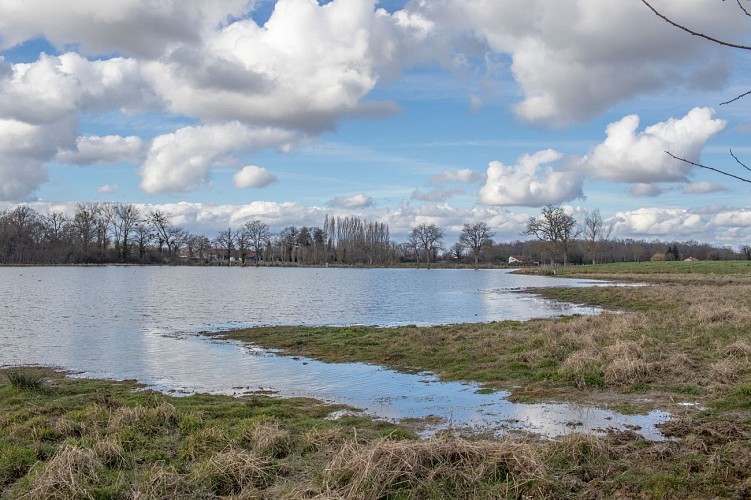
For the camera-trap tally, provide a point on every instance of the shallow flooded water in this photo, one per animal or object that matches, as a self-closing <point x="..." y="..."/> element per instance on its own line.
<point x="142" y="323"/>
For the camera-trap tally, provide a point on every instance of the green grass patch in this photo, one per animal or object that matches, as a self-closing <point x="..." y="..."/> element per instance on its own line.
<point x="738" y="399"/>
<point x="97" y="439"/>
<point x="25" y="380"/>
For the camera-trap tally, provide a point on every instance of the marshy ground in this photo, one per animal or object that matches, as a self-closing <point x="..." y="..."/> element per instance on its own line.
<point x="684" y="338"/>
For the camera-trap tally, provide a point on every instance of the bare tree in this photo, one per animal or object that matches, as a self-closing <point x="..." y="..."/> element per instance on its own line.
<point x="166" y="233"/>
<point x="258" y="237"/>
<point x="457" y="252"/>
<point x="476" y="237"/>
<point x="596" y="231"/>
<point x="143" y="235"/>
<point x="555" y="227"/>
<point x="429" y="237"/>
<point x="85" y="226"/>
<point x="21" y="231"/>
<point x="226" y="241"/>
<point x="123" y="219"/>
<point x="243" y="240"/>
<point x="725" y="43"/>
<point x="55" y="226"/>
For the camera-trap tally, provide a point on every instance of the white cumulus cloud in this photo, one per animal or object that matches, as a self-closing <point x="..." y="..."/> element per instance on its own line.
<point x="628" y="155"/>
<point x="141" y="27"/>
<point x="253" y="177"/>
<point x="108" y="189"/>
<point x="107" y="149"/>
<point x="305" y="68"/>
<point x="24" y="149"/>
<point x="572" y="59"/>
<point x="359" y="200"/>
<point x="530" y="183"/>
<point x="659" y="222"/>
<point x="182" y="161"/>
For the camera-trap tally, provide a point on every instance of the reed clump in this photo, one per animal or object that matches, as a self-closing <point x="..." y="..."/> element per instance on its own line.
<point x="25" y="380"/>
<point x="436" y="468"/>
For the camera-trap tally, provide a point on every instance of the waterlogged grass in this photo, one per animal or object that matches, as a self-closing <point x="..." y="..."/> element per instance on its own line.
<point x="669" y="341"/>
<point x="679" y="271"/>
<point x="96" y="439"/>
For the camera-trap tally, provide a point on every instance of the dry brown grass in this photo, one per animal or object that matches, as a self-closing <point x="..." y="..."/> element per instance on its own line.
<point x="578" y="364"/>
<point x="69" y="474"/>
<point x="317" y="440"/>
<point x="268" y="439"/>
<point x="202" y="442"/>
<point x="738" y="349"/>
<point x="724" y="371"/>
<point x="126" y="417"/>
<point x="626" y="364"/>
<point x="232" y="471"/>
<point x="436" y="468"/>
<point x="162" y="482"/>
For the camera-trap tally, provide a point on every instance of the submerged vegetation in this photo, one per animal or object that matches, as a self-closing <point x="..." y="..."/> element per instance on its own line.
<point x="680" y="344"/>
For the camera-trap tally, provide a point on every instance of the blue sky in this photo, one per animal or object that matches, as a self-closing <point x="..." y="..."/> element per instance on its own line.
<point x="445" y="112"/>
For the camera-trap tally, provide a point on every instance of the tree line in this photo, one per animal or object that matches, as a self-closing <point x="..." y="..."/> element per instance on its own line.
<point x="99" y="233"/>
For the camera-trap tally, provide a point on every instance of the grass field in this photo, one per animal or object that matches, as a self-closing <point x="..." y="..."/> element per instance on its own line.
<point x="684" y="338"/>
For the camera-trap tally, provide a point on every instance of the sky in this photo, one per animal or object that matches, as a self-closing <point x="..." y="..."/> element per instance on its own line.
<point x="443" y="112"/>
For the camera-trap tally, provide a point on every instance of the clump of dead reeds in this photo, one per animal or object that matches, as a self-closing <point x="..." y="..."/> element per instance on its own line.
<point x="69" y="474"/>
<point x="724" y="371"/>
<point x="143" y="418"/>
<point x="435" y="468"/>
<point x="202" y="442"/>
<point x="111" y="453"/>
<point x="583" y="368"/>
<point x="269" y="440"/>
<point x="626" y="364"/>
<point x="231" y="471"/>
<point x="163" y="482"/>
<point x="127" y="417"/>
<point x="738" y="349"/>
<point x="316" y="440"/>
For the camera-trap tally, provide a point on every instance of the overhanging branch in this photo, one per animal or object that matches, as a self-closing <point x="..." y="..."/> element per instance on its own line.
<point x="696" y="33"/>
<point x="712" y="168"/>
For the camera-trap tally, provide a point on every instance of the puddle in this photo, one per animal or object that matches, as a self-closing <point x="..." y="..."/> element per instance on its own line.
<point x="395" y="396"/>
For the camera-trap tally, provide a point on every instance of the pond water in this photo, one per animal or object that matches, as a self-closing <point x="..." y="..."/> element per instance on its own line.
<point x="143" y="323"/>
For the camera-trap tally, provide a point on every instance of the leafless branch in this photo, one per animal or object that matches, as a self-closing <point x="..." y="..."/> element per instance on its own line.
<point x="738" y="161"/>
<point x="709" y="168"/>
<point x="736" y="98"/>
<point x="745" y="11"/>
<point x="695" y="33"/>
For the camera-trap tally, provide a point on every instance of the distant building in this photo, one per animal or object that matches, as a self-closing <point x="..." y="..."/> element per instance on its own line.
<point x="519" y="260"/>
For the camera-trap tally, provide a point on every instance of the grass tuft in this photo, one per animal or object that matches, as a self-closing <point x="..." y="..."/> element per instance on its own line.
<point x="436" y="468"/>
<point x="70" y="473"/>
<point x="25" y="380"/>
<point x="232" y="471"/>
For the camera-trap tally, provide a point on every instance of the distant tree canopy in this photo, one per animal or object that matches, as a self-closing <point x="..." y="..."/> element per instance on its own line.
<point x="115" y="233"/>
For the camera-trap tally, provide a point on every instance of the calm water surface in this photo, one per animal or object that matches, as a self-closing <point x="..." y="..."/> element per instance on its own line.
<point x="142" y="323"/>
